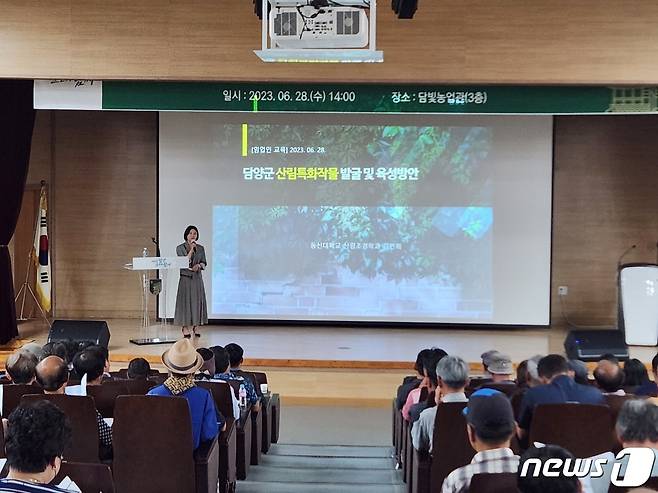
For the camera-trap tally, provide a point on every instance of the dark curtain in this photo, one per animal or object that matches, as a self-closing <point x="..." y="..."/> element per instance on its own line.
<point x="16" y="124"/>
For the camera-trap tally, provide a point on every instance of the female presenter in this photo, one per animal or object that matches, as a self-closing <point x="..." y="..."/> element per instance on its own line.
<point x="191" y="309"/>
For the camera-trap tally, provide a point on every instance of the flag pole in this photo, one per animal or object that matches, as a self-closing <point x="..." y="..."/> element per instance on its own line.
<point x="25" y="287"/>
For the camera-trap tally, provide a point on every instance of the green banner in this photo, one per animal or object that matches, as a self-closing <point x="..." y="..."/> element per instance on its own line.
<point x="375" y="98"/>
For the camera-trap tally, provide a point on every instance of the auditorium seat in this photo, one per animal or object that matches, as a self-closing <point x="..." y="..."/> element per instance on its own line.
<point x="583" y="429"/>
<point x="266" y="409"/>
<point x="451" y="448"/>
<point x="139" y="387"/>
<point x="105" y="395"/>
<point x="90" y="478"/>
<point x="221" y="393"/>
<point x="615" y="402"/>
<point x="153" y="448"/>
<point x="245" y="429"/>
<point x="81" y="412"/>
<point x="276" y="417"/>
<point x="11" y="396"/>
<point x="502" y="482"/>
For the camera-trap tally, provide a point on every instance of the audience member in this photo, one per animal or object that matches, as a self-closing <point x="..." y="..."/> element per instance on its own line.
<point x="21" y="366"/>
<point x="610" y="357"/>
<point x="33" y="348"/>
<point x="138" y="369"/>
<point x="490" y="428"/>
<point x="486" y="358"/>
<point x="224" y="362"/>
<point x="429" y="382"/>
<point x="533" y="373"/>
<point x="222" y="365"/>
<point x="578" y="371"/>
<point x="208" y="368"/>
<point x="650" y="388"/>
<point x="37" y="435"/>
<point x="452" y="373"/>
<point x="90" y="362"/>
<point x="637" y="426"/>
<point x="522" y="375"/>
<point x="183" y="361"/>
<point x="53" y="375"/>
<point x="636" y="375"/>
<point x="235" y="354"/>
<point x="557" y="483"/>
<point x="499" y="368"/>
<point x="609" y="377"/>
<point x="411" y="382"/>
<point x="557" y="388"/>
<point x="57" y="348"/>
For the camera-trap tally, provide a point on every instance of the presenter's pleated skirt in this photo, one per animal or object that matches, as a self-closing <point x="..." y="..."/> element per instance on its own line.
<point x="191" y="306"/>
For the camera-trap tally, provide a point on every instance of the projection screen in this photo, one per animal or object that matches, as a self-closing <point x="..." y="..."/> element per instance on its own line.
<point x="379" y="218"/>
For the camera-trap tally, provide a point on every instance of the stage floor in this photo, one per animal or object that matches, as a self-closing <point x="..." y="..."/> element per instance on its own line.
<point x="338" y="344"/>
<point x="329" y="343"/>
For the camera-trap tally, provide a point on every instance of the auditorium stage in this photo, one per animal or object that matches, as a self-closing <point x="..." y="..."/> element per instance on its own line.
<point x="335" y="365"/>
<point x="329" y="344"/>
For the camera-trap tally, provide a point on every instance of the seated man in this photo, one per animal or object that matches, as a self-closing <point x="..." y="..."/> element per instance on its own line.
<point x="578" y="371"/>
<point x="490" y="426"/>
<point x="36" y="438"/>
<point x="558" y="388"/>
<point x="650" y="388"/>
<point x="452" y="373"/>
<point x="235" y="354"/>
<point x="559" y="482"/>
<point x="609" y="377"/>
<point x="138" y="369"/>
<point x="88" y="362"/>
<point x="183" y="361"/>
<point x="500" y="369"/>
<point x="637" y="426"/>
<point x="20" y="367"/>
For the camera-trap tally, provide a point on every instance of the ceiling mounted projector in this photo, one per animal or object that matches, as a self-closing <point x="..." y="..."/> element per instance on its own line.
<point x="318" y="31"/>
<point x="328" y="27"/>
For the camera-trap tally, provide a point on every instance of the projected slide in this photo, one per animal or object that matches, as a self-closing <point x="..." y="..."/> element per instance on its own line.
<point x="367" y="219"/>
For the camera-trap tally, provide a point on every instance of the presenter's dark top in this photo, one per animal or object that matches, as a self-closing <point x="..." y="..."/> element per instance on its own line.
<point x="561" y="390"/>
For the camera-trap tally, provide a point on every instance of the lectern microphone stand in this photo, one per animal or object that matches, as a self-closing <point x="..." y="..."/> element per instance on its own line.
<point x="142" y="265"/>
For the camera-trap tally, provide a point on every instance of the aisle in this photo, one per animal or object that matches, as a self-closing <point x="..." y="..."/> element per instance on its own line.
<point x="324" y="469"/>
<point x="357" y="459"/>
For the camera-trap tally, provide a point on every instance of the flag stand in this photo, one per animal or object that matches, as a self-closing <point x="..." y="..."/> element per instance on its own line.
<point x="25" y="287"/>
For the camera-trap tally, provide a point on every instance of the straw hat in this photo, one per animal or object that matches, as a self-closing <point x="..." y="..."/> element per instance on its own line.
<point x="182" y="358"/>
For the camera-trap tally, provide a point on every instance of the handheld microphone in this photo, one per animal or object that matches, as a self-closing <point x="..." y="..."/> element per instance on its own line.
<point x="626" y="252"/>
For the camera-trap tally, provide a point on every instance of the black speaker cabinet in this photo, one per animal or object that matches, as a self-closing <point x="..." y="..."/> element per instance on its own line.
<point x="95" y="331"/>
<point x="590" y="345"/>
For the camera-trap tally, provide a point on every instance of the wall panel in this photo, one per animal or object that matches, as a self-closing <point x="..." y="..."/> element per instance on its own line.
<point x="105" y="179"/>
<point x="103" y="207"/>
<point x="506" y="41"/>
<point x="605" y="200"/>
